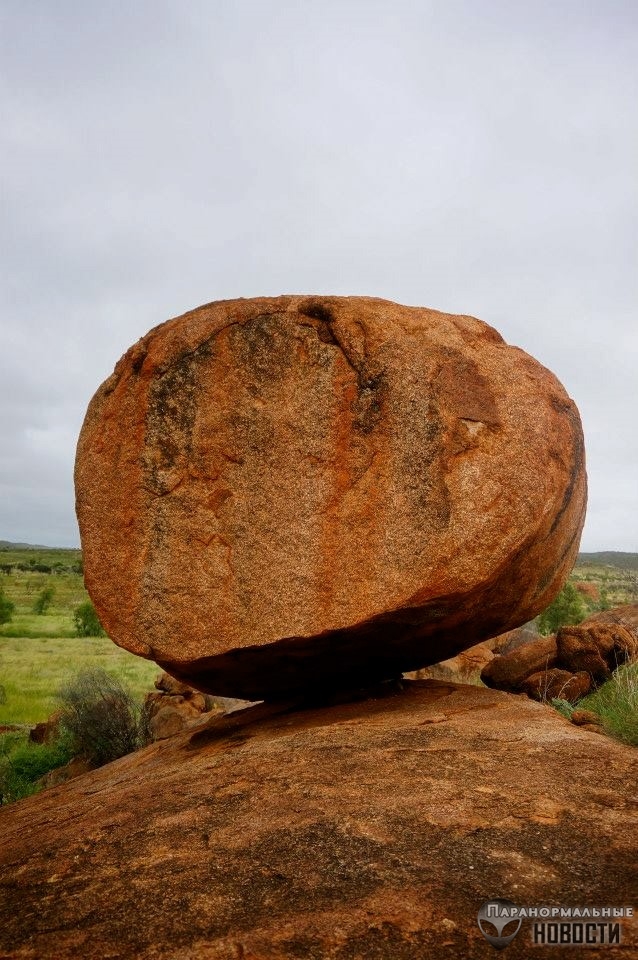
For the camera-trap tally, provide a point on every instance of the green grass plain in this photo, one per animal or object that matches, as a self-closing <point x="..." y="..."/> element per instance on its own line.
<point x="13" y="553"/>
<point x="620" y="584"/>
<point x="32" y="670"/>
<point x="39" y="653"/>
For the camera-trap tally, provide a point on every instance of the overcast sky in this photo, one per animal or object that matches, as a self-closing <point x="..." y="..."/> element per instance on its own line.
<point x="476" y="157"/>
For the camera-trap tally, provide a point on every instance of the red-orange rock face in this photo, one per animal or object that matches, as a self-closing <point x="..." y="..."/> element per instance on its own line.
<point x="368" y="830"/>
<point x="280" y="494"/>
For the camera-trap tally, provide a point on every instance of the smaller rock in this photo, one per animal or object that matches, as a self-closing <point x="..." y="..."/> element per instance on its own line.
<point x="167" y="722"/>
<point x="48" y="730"/>
<point x="582" y="718"/>
<point x="597" y="648"/>
<point x="74" y="768"/>
<point x="557" y="684"/>
<point x="510" y="670"/>
<point x="625" y="615"/>
<point x="513" y="639"/>
<point x="154" y="701"/>
<point x="173" y="705"/>
<point x="185" y="707"/>
<point x="464" y="668"/>
<point x="198" y="702"/>
<point x="472" y="660"/>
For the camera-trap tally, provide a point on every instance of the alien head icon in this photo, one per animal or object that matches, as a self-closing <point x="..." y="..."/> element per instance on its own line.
<point x="497" y="924"/>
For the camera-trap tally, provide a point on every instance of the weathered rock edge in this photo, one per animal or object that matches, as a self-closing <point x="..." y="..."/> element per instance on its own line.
<point x="368" y="829"/>
<point x="490" y="476"/>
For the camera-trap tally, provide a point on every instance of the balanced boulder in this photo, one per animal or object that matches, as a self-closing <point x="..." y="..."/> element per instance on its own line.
<point x="282" y="495"/>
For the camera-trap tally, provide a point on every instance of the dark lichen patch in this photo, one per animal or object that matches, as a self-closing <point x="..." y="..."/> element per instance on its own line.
<point x="138" y="356"/>
<point x="371" y="378"/>
<point x="318" y="866"/>
<point x="172" y="408"/>
<point x="577" y="459"/>
<point x="263" y="349"/>
<point x="323" y="317"/>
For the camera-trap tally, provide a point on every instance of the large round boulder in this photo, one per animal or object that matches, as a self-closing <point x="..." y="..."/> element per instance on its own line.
<point x="283" y="494"/>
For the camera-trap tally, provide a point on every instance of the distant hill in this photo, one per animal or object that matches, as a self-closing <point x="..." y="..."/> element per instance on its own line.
<point x="610" y="558"/>
<point x="31" y="556"/>
<point x="8" y="545"/>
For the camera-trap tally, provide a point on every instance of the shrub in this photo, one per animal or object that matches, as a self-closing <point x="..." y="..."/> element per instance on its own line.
<point x="87" y="623"/>
<point x="567" y="608"/>
<point x="564" y="707"/>
<point x="35" y="566"/>
<point x="22" y="763"/>
<point x="43" y="600"/>
<point x="103" y="719"/>
<point x="6" y="607"/>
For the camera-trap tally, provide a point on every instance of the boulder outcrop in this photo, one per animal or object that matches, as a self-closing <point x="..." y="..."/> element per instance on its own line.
<point x="465" y="667"/>
<point x="510" y="670"/>
<point x="571" y="663"/>
<point x="625" y="615"/>
<point x="557" y="684"/>
<point x="174" y="705"/>
<point x="370" y="829"/>
<point x="596" y="648"/>
<point x="306" y="492"/>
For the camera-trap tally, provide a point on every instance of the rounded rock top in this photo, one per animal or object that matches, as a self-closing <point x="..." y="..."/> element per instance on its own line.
<point x="280" y="495"/>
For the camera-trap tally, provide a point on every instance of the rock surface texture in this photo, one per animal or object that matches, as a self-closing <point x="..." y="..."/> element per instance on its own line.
<point x="289" y="493"/>
<point x="373" y="829"/>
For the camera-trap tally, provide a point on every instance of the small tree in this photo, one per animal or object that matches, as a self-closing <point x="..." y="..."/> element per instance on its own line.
<point x="87" y="623"/>
<point x="6" y="607"/>
<point x="43" y="600"/>
<point x="567" y="608"/>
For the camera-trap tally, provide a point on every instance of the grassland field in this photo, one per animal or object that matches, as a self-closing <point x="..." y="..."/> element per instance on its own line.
<point x="39" y="653"/>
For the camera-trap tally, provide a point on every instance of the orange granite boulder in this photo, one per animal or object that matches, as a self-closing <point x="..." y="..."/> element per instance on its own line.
<point x="282" y="494"/>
